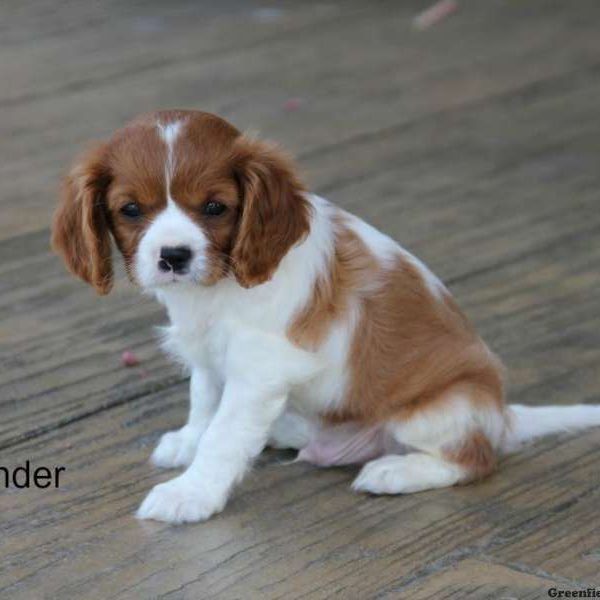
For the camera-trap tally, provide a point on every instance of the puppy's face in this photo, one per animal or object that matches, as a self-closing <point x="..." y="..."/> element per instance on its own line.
<point x="187" y="200"/>
<point x="174" y="201"/>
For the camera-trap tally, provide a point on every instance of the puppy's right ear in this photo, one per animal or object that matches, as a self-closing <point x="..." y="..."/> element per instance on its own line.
<point x="80" y="232"/>
<point x="275" y="214"/>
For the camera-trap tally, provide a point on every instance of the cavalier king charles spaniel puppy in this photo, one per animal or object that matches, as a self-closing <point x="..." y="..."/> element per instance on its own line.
<point x="302" y="326"/>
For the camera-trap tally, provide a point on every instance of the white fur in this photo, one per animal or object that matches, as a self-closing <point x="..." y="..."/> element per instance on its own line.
<point x="407" y="474"/>
<point x="433" y="429"/>
<point x="169" y="133"/>
<point x="381" y="245"/>
<point x="237" y="433"/>
<point x="239" y="336"/>
<point x="178" y="448"/>
<point x="527" y="423"/>
<point x="172" y="227"/>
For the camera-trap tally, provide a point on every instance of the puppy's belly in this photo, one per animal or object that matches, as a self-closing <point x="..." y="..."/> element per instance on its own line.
<point x="349" y="444"/>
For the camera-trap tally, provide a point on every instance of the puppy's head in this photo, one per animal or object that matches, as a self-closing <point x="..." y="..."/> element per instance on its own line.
<point x="187" y="200"/>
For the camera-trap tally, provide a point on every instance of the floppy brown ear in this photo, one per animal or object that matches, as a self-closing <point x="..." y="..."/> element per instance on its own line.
<point x="275" y="214"/>
<point x="80" y="232"/>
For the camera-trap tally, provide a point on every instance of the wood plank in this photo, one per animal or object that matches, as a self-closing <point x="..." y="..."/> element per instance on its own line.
<point x="92" y="521"/>
<point x="540" y="499"/>
<point x="553" y="527"/>
<point x="290" y="531"/>
<point x="116" y="40"/>
<point x="401" y="78"/>
<point x="476" y="149"/>
<point x="475" y="579"/>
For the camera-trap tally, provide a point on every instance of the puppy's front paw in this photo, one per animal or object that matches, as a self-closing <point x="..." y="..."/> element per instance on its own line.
<point x="181" y="500"/>
<point x="176" y="448"/>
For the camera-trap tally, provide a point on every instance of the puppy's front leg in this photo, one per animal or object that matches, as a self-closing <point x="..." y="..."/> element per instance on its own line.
<point x="236" y="435"/>
<point x="178" y="448"/>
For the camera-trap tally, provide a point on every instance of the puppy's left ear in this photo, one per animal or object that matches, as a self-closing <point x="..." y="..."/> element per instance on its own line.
<point x="275" y="214"/>
<point x="80" y="231"/>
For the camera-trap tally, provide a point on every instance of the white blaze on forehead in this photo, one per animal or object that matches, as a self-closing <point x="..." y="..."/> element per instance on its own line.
<point x="168" y="133"/>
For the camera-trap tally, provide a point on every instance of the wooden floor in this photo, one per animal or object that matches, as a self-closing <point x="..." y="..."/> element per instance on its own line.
<point x="475" y="143"/>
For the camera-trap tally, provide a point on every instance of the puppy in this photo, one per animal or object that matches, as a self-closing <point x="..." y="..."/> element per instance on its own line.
<point x="303" y="327"/>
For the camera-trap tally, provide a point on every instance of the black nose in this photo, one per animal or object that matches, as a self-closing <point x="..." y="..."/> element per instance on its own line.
<point x="174" y="258"/>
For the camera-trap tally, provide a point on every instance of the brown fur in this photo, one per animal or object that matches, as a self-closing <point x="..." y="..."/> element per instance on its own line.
<point x="80" y="227"/>
<point x="349" y="271"/>
<point x="410" y="350"/>
<point x="135" y="161"/>
<point x="408" y="347"/>
<point x="475" y="455"/>
<point x="275" y="214"/>
<point x="203" y="173"/>
<point x="411" y="346"/>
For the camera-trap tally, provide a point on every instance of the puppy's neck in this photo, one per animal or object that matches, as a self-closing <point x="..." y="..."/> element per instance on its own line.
<point x="269" y="306"/>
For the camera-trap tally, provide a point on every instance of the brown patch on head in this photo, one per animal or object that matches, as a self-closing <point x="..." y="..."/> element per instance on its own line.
<point x="475" y="454"/>
<point x="203" y="172"/>
<point x="265" y="209"/>
<point x="136" y="160"/>
<point x="197" y="168"/>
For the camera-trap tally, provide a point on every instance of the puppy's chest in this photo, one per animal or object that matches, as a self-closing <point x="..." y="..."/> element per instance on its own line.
<point x="198" y="343"/>
<point x="220" y="337"/>
<point x="255" y="348"/>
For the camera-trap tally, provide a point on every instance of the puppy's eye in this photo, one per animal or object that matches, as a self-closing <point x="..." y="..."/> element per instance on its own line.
<point x="214" y="208"/>
<point x="131" y="210"/>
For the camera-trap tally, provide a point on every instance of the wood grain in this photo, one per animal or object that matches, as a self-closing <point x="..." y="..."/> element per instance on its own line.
<point x="474" y="143"/>
<point x="403" y="77"/>
<point x="290" y="530"/>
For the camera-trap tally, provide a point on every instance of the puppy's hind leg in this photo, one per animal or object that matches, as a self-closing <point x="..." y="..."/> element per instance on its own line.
<point x="455" y="442"/>
<point x="406" y="474"/>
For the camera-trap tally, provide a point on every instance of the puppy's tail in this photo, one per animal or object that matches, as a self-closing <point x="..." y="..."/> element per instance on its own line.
<point x="526" y="423"/>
